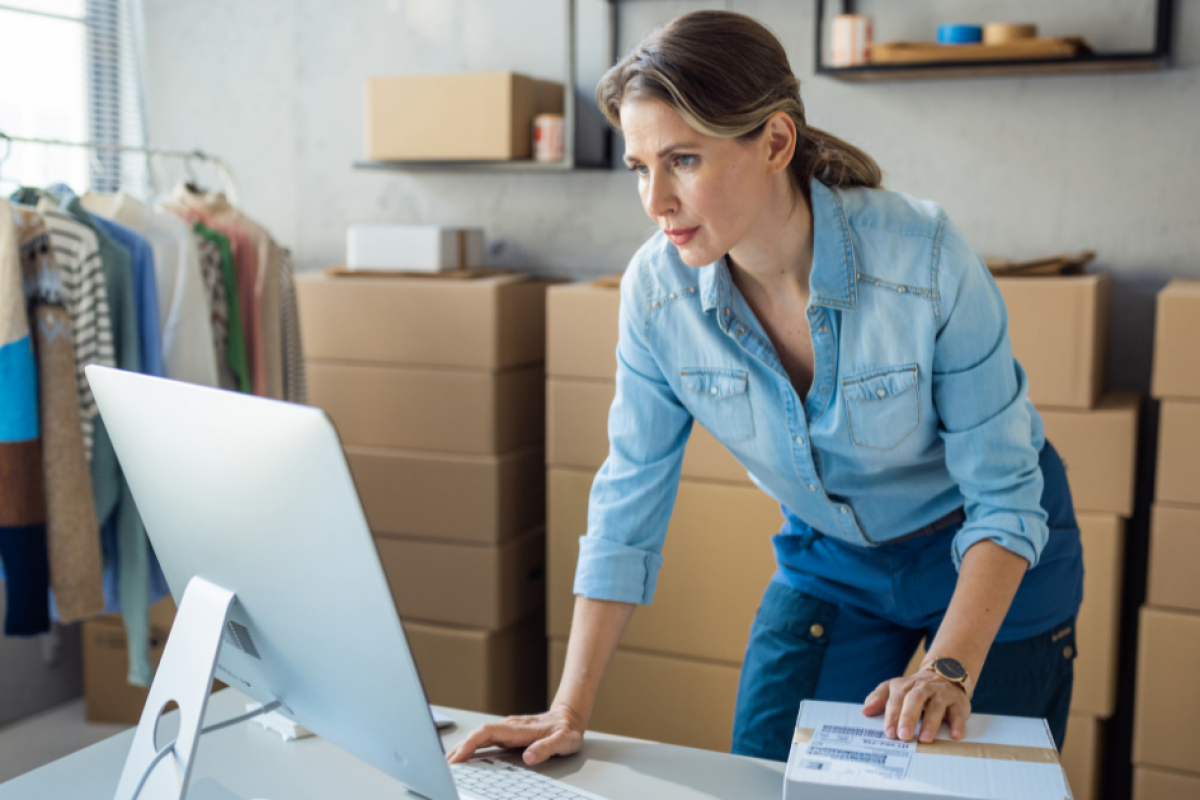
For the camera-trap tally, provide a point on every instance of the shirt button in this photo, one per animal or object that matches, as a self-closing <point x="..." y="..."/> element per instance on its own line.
<point x="844" y="510"/>
<point x="740" y="331"/>
<point x="902" y="290"/>
<point x="821" y="390"/>
<point x="1068" y="651"/>
<point x="799" y="440"/>
<point x="817" y="630"/>
<point x="812" y="487"/>
<point x="727" y="311"/>
<point x="713" y="390"/>
<point x="881" y="392"/>
<point x="821" y="329"/>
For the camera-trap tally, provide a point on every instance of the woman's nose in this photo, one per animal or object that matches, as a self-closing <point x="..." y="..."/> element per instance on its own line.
<point x="660" y="198"/>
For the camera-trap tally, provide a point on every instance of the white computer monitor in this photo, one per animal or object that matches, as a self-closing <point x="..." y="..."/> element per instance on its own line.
<point x="254" y="497"/>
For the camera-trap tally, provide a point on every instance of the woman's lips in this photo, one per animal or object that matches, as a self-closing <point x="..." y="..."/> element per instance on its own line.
<point x="681" y="236"/>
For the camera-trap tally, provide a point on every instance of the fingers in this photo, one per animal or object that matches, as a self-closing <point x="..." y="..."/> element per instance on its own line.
<point x="957" y="717"/>
<point x="507" y="733"/>
<point x="914" y="704"/>
<point x="559" y="743"/>
<point x="876" y="701"/>
<point x="935" y="711"/>
<point x="897" y="689"/>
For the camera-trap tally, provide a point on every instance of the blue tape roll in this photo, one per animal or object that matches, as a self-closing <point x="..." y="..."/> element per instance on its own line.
<point x="960" y="34"/>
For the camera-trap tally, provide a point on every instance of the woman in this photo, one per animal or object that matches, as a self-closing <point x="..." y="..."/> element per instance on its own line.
<point x="851" y="350"/>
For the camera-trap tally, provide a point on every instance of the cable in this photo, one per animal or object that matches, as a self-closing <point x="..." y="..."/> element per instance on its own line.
<point x="216" y="726"/>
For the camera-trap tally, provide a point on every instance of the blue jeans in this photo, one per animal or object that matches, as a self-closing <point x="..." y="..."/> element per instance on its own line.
<point x="837" y="620"/>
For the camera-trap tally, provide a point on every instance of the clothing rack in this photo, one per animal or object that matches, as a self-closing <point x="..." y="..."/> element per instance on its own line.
<point x="232" y="191"/>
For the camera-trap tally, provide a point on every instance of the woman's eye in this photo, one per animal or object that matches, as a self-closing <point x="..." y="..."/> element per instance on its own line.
<point x="640" y="169"/>
<point x="685" y="161"/>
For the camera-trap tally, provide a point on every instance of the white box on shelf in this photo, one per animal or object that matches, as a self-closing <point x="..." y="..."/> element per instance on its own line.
<point x="837" y="752"/>
<point x="413" y="248"/>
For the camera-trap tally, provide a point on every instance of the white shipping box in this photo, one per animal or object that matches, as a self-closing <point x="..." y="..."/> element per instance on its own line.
<point x="837" y="753"/>
<point x="413" y="248"/>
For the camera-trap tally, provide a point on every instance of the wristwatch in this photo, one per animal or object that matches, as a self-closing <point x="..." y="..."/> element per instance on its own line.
<point x="951" y="670"/>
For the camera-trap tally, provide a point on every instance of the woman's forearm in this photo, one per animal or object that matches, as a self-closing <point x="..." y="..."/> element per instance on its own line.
<point x="596" y="628"/>
<point x="987" y="583"/>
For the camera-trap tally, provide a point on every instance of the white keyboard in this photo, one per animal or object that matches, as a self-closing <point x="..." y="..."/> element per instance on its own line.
<point x="493" y="779"/>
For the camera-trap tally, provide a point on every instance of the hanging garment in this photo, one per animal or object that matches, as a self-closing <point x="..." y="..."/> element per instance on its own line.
<point x="145" y="291"/>
<point x="183" y="317"/>
<point x="72" y="532"/>
<point x="258" y="269"/>
<point x="22" y="501"/>
<point x="295" y="384"/>
<point x="218" y="305"/>
<point x="235" y="360"/>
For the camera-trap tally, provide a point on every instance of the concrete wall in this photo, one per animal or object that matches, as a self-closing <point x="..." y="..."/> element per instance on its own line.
<point x="1026" y="166"/>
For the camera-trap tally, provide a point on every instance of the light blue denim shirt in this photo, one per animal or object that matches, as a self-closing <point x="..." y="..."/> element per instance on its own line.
<point x="917" y="406"/>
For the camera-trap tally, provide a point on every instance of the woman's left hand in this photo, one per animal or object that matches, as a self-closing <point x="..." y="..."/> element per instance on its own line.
<point x="902" y="701"/>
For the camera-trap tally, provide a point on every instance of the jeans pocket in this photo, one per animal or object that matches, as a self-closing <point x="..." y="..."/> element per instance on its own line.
<point x="882" y="406"/>
<point x="782" y="667"/>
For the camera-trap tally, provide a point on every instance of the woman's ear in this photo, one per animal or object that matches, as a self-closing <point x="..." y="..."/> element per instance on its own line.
<point x="779" y="138"/>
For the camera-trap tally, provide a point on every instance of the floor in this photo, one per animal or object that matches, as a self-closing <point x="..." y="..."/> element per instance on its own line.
<point x="46" y="737"/>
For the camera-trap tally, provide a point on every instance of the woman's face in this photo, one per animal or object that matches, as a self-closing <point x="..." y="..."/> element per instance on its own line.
<point x="704" y="192"/>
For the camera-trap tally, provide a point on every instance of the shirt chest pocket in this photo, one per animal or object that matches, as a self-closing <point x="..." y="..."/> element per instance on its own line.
<point x="720" y="400"/>
<point x="882" y="406"/>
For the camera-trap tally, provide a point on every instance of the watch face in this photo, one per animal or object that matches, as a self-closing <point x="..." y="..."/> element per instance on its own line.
<point x="950" y="669"/>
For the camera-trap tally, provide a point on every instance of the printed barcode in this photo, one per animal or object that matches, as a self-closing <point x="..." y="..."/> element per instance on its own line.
<point x="849" y="755"/>
<point x="844" y="729"/>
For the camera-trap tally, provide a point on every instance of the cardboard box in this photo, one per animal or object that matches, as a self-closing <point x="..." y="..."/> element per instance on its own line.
<point x="1165" y="729"/>
<point x="661" y="698"/>
<point x="1059" y="332"/>
<point x="1176" y="332"/>
<point x="475" y="586"/>
<point x="469" y="499"/>
<point x="1177" y="479"/>
<point x="1097" y="633"/>
<point x="1157" y="784"/>
<point x="413" y="248"/>
<point x="487" y="323"/>
<point x="501" y="672"/>
<point x="1083" y="756"/>
<point x="837" y="752"/>
<point x="581" y="331"/>
<point x="1174" y="557"/>
<point x="450" y="410"/>
<point x="1099" y="448"/>
<point x="108" y="695"/>
<point x="717" y="563"/>
<point x="577" y="433"/>
<point x="458" y="117"/>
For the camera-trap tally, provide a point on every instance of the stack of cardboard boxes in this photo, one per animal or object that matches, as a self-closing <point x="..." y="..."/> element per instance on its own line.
<point x="1059" y="330"/>
<point x="108" y="695"/>
<point x="1166" y="743"/>
<point x="436" y="388"/>
<point x="674" y="678"/>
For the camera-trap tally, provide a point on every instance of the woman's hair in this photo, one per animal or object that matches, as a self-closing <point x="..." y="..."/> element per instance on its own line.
<point x="726" y="74"/>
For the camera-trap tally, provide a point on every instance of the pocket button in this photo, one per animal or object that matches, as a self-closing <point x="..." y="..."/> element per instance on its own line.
<point x="817" y="630"/>
<point x="881" y="392"/>
<point x="1068" y="651"/>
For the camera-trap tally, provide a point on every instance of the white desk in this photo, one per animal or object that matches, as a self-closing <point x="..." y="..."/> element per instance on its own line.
<point x="247" y="761"/>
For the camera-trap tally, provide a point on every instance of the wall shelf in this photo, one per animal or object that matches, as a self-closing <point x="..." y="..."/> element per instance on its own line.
<point x="1158" y="58"/>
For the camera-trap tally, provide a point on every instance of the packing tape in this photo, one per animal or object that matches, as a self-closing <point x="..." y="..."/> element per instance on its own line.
<point x="963" y="749"/>
<point x="959" y="34"/>
<point x="1003" y="32"/>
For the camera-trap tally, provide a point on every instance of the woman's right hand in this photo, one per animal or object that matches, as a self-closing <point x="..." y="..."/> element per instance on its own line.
<point x="558" y="732"/>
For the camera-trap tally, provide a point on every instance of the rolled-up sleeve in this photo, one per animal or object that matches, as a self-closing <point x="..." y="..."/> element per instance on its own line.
<point x="634" y="492"/>
<point x="992" y="434"/>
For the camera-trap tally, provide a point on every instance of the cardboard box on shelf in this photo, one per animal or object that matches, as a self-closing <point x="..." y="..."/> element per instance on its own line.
<point x="1165" y="733"/>
<point x="1099" y="448"/>
<point x="475" y="586"/>
<point x="413" y="248"/>
<point x="1059" y="332"/>
<point x="1158" y="784"/>
<point x="501" y="672"/>
<point x="108" y="695"/>
<point x="450" y="410"/>
<point x="836" y="752"/>
<point x="1174" y="557"/>
<point x="1177" y="479"/>
<point x="577" y="433"/>
<point x="456" y="498"/>
<point x="1097" y="633"/>
<point x="492" y="322"/>
<point x="1176" y="332"/>
<point x="718" y="535"/>
<point x="581" y="331"/>
<point x="1083" y="756"/>
<point x="456" y="117"/>
<point x="661" y="698"/>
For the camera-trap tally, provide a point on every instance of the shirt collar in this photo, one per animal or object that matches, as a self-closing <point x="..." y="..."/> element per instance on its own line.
<point x="832" y="280"/>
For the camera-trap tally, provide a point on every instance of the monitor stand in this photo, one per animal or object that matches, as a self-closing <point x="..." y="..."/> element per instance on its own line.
<point x="185" y="675"/>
